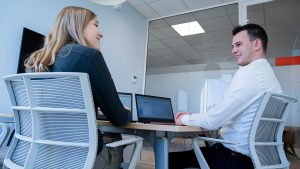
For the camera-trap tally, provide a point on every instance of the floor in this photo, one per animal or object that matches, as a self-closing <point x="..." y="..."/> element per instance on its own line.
<point x="147" y="156"/>
<point x="295" y="163"/>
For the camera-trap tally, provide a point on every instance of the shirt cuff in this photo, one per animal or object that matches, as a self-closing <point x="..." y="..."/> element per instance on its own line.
<point x="185" y="119"/>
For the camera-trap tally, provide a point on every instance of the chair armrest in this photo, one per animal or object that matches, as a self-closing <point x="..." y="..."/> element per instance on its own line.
<point x="214" y="140"/>
<point x="125" y="142"/>
<point x="200" y="157"/>
<point x="138" y="144"/>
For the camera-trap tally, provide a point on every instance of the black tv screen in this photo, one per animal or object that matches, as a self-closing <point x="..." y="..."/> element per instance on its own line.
<point x="31" y="41"/>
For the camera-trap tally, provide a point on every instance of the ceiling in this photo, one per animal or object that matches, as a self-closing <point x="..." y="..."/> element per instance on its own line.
<point x="152" y="9"/>
<point x="167" y="48"/>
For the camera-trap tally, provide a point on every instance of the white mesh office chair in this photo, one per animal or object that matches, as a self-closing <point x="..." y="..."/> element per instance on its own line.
<point x="7" y="131"/>
<point x="6" y="128"/>
<point x="55" y="122"/>
<point x="266" y="146"/>
<point x="4" y="132"/>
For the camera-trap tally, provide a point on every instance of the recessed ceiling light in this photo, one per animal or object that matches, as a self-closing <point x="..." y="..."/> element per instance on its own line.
<point x="189" y="28"/>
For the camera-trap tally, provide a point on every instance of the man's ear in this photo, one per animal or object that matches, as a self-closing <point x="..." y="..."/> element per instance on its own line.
<point x="257" y="44"/>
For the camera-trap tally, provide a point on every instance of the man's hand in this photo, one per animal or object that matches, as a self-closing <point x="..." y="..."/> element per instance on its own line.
<point x="179" y="116"/>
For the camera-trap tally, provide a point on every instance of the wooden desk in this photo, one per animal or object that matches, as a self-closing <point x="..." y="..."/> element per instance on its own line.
<point x="156" y="134"/>
<point x="6" y="115"/>
<point x="7" y="118"/>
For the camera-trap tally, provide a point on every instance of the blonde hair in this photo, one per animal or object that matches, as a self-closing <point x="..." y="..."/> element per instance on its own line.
<point x="68" y="28"/>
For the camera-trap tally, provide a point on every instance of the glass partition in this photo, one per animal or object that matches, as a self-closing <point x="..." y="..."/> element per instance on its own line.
<point x="280" y="18"/>
<point x="185" y="68"/>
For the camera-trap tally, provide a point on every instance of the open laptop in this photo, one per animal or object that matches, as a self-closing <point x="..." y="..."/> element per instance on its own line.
<point x="126" y="99"/>
<point x="153" y="109"/>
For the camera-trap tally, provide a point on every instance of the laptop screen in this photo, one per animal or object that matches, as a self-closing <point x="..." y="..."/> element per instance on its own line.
<point x="154" y="109"/>
<point x="126" y="99"/>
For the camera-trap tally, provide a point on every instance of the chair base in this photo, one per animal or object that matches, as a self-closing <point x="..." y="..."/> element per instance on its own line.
<point x="290" y="150"/>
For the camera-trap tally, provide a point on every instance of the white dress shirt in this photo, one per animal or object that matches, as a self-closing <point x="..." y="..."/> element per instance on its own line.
<point x="236" y="112"/>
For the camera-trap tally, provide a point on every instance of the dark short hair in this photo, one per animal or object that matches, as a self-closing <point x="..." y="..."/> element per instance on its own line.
<point x="254" y="31"/>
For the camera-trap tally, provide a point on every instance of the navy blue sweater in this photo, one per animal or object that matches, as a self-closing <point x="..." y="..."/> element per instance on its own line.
<point x="79" y="58"/>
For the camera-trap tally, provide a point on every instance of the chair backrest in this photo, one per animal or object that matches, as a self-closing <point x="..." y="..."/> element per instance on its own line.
<point x="266" y="144"/>
<point x="55" y="121"/>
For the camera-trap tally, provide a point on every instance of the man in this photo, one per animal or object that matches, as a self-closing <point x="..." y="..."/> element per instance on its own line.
<point x="236" y="112"/>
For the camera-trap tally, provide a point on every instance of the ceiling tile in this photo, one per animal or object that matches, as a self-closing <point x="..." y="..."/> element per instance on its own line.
<point x="234" y="19"/>
<point x="147" y="11"/>
<point x="220" y="59"/>
<point x="194" y="40"/>
<point x="207" y="47"/>
<point x="159" y="23"/>
<point x="155" y="45"/>
<point x="219" y="36"/>
<point x="175" y="60"/>
<point x="178" y="19"/>
<point x="227" y="1"/>
<point x="151" y="53"/>
<point x="173" y="42"/>
<point x="151" y="38"/>
<point x="256" y="17"/>
<point x="196" y="4"/>
<point x="258" y="7"/>
<point x="164" y="52"/>
<point x="150" y="1"/>
<point x="287" y="26"/>
<point x="280" y="3"/>
<point x="184" y="50"/>
<point x="158" y="62"/>
<point x="136" y="3"/>
<point x="163" y="7"/>
<point x="290" y="11"/>
<point x="228" y="55"/>
<point x="216" y="24"/>
<point x="232" y="9"/>
<point x="190" y="55"/>
<point x="210" y="13"/>
<point x="163" y="33"/>
<point x="198" y="60"/>
<point x="211" y="55"/>
<point x="178" y="62"/>
<point x="223" y="45"/>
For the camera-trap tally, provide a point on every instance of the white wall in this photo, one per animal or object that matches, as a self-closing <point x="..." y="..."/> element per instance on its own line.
<point x="168" y="84"/>
<point x="289" y="79"/>
<point x="123" y="45"/>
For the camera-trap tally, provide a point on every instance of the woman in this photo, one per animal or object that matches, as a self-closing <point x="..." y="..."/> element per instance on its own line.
<point x="74" y="46"/>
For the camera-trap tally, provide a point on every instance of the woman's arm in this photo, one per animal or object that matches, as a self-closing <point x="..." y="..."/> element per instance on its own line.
<point x="104" y="91"/>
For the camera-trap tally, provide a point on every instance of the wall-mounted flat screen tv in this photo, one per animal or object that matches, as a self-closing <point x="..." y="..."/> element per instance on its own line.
<point x="31" y="41"/>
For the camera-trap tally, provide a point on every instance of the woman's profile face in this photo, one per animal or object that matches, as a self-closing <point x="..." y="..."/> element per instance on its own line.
<point x="92" y="34"/>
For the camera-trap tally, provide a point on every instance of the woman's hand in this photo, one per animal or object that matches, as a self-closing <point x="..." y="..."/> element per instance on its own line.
<point x="127" y="108"/>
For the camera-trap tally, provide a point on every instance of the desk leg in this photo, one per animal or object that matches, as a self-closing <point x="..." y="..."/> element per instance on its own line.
<point x="161" y="151"/>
